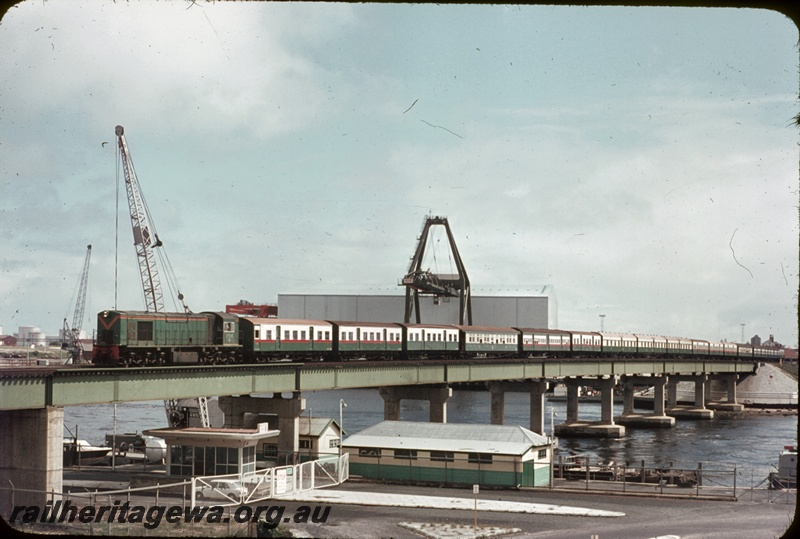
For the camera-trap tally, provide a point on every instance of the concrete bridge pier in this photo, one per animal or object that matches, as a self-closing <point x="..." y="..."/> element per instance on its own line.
<point x="244" y="411"/>
<point x="657" y="418"/>
<point x="537" y="390"/>
<point x="605" y="428"/>
<point x="729" y="405"/>
<point x="436" y="395"/>
<point x="696" y="411"/>
<point x="31" y="445"/>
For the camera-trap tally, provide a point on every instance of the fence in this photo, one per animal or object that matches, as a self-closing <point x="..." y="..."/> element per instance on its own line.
<point x="276" y="482"/>
<point x="228" y="492"/>
<point x="705" y="480"/>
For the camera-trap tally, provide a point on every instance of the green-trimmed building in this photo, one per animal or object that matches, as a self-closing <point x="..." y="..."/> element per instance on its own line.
<point x="451" y="454"/>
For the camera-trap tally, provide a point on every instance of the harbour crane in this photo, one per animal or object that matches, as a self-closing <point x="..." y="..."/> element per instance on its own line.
<point x="148" y="247"/>
<point x="418" y="281"/>
<point x="71" y="338"/>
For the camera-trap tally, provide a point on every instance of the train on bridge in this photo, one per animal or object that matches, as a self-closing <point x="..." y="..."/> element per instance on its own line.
<point x="137" y="338"/>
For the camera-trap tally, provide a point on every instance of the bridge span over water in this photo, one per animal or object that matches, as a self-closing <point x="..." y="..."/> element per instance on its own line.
<point x="32" y="400"/>
<point x="40" y="387"/>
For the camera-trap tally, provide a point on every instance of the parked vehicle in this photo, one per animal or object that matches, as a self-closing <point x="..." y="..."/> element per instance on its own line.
<point x="221" y="489"/>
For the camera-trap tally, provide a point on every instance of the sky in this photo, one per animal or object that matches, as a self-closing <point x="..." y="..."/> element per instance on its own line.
<point x="642" y="161"/>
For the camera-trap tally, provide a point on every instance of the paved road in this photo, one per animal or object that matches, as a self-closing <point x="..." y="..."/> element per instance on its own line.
<point x="644" y="517"/>
<point x="751" y="517"/>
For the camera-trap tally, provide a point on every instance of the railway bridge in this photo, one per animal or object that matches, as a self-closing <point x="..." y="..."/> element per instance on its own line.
<point x="32" y="400"/>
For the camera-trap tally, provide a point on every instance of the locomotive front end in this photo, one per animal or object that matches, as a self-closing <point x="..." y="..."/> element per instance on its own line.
<point x="106" y="349"/>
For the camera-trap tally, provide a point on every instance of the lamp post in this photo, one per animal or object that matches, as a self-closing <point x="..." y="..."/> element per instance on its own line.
<point x="552" y="422"/>
<point x="602" y="320"/>
<point x="342" y="405"/>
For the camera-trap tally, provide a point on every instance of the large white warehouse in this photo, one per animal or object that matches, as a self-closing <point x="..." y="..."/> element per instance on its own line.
<point x="532" y="307"/>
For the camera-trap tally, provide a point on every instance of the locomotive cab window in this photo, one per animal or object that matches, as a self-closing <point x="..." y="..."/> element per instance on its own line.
<point x="145" y="330"/>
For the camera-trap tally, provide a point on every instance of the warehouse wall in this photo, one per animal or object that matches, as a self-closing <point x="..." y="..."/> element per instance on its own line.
<point x="539" y="311"/>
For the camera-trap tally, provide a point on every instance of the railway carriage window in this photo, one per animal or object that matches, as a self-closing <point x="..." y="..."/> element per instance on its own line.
<point x="228" y="326"/>
<point x="294" y="334"/>
<point x="303" y="335"/>
<point x="258" y="334"/>
<point x="285" y="334"/>
<point x="344" y="336"/>
<point x="351" y="335"/>
<point x="268" y="335"/>
<point x="327" y="335"/>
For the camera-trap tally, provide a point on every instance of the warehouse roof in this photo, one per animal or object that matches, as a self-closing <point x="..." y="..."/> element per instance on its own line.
<point x="457" y="437"/>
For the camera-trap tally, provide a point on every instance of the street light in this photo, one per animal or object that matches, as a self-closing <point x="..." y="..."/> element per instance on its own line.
<point x="342" y="405"/>
<point x="552" y="422"/>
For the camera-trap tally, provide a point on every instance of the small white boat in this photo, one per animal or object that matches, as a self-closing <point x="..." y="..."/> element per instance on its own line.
<point x="82" y="452"/>
<point x="786" y="476"/>
<point x="135" y="445"/>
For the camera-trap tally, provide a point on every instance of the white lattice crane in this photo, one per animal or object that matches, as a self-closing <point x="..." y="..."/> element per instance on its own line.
<point x="71" y="338"/>
<point x="146" y="241"/>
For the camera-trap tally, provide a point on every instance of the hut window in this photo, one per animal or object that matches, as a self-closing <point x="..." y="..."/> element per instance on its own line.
<point x="483" y="458"/>
<point x="442" y="456"/>
<point x="543" y="453"/>
<point x="369" y="452"/>
<point x="408" y="454"/>
<point x="305" y="444"/>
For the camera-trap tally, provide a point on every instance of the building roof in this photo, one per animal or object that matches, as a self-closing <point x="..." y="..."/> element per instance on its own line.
<point x="457" y="437"/>
<point x="316" y="426"/>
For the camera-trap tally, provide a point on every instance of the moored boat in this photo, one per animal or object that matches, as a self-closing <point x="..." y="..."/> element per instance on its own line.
<point x="82" y="452"/>
<point x="786" y="476"/>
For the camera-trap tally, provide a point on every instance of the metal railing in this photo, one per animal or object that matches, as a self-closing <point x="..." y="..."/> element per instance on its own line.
<point x="705" y="480"/>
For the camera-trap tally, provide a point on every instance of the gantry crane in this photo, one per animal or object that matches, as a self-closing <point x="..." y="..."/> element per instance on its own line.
<point x="71" y="339"/>
<point x="418" y="281"/>
<point x="146" y="240"/>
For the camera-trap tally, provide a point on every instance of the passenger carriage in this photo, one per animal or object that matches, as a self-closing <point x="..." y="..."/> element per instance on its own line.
<point x="678" y="346"/>
<point x="490" y="341"/>
<point x="700" y="347"/>
<point x="723" y="349"/>
<point x="361" y="338"/>
<point x="291" y="338"/>
<point x="424" y="339"/>
<point x="586" y="342"/>
<point x="618" y="343"/>
<point x="544" y="342"/>
<point x="651" y="344"/>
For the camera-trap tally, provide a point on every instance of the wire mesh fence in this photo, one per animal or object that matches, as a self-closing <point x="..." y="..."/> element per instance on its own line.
<point x="703" y="480"/>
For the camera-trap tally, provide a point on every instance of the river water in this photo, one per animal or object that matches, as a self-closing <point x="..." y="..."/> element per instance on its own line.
<point x="750" y="441"/>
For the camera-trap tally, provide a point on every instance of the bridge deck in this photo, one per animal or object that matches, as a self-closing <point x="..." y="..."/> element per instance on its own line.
<point x="41" y="387"/>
